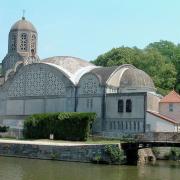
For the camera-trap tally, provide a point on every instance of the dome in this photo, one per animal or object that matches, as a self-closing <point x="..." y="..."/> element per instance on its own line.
<point x="23" y="24"/>
<point x="71" y="66"/>
<point x="130" y="78"/>
<point x="135" y="78"/>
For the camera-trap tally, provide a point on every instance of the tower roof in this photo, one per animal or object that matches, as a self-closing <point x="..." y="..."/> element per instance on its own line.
<point x="172" y="97"/>
<point x="23" y="24"/>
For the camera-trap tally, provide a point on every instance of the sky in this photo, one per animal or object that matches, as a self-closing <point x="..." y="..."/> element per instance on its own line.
<point x="88" y="28"/>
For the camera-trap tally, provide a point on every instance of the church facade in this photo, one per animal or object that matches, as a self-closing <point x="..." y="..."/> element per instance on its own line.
<point x="120" y="96"/>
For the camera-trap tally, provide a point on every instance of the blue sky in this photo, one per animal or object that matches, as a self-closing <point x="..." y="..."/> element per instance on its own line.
<point x="88" y="28"/>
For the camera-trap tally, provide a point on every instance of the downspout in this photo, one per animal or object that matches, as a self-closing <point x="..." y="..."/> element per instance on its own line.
<point x="103" y="108"/>
<point x="75" y="98"/>
<point x="145" y="109"/>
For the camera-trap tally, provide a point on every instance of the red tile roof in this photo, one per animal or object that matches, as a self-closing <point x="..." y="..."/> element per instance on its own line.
<point x="172" y="97"/>
<point x="163" y="117"/>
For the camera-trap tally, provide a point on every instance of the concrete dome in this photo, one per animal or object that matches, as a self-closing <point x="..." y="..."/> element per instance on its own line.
<point x="71" y="66"/>
<point x="23" y="24"/>
<point x="129" y="77"/>
<point x="135" y="78"/>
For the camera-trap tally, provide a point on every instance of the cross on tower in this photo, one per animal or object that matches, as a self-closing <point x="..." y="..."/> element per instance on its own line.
<point x="23" y="17"/>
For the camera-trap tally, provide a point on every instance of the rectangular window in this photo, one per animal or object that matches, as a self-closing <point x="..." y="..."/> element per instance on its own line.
<point x="87" y="103"/>
<point x="171" y="107"/>
<point x="138" y="126"/>
<point x="122" y="127"/>
<point x="114" y="123"/>
<point x="91" y="103"/>
<point x="126" y="125"/>
<point x="148" y="127"/>
<point x="129" y="125"/>
<point x="134" y="125"/>
<point x="110" y="125"/>
<point x="119" y="126"/>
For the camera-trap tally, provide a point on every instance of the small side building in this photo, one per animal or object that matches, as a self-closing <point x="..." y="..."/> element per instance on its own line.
<point x="167" y="118"/>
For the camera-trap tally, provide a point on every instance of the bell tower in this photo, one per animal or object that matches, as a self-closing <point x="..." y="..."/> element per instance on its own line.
<point x="22" y="45"/>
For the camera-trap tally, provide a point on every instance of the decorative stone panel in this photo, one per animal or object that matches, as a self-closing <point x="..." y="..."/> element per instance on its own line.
<point x="89" y="85"/>
<point x="36" y="81"/>
<point x="17" y="88"/>
<point x="54" y="85"/>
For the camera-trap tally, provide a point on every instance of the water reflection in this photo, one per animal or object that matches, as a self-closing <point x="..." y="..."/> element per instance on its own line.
<point x="31" y="169"/>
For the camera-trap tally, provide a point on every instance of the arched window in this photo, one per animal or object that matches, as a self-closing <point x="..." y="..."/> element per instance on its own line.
<point x="13" y="42"/>
<point x="120" y="105"/>
<point x="128" y="105"/>
<point x="33" y="44"/>
<point x="23" y="43"/>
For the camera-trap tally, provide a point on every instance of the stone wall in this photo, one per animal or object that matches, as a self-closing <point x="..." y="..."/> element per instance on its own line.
<point x="81" y="153"/>
<point x="145" y="156"/>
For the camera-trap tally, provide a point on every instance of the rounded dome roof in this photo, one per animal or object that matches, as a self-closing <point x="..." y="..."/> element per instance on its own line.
<point x="136" y="78"/>
<point x="71" y="66"/>
<point x="23" y="24"/>
<point x="129" y="77"/>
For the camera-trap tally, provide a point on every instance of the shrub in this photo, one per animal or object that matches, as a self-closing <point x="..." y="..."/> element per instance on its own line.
<point x="4" y="128"/>
<point x="174" y="153"/>
<point x="65" y="126"/>
<point x="115" y="153"/>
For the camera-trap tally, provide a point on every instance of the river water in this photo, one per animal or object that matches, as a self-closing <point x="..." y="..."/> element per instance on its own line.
<point x="31" y="169"/>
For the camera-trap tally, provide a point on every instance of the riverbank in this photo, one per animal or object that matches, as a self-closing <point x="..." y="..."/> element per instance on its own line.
<point x="28" y="169"/>
<point x="63" y="151"/>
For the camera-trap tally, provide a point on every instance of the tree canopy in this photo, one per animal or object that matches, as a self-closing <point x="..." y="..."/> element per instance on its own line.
<point x="161" y="60"/>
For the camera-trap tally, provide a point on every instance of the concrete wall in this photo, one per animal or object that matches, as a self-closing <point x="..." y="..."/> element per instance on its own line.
<point x="156" y="124"/>
<point x="175" y="114"/>
<point x="153" y="102"/>
<point x="92" y="104"/>
<point x="28" y="106"/>
<point x="90" y="98"/>
<point x="125" y="122"/>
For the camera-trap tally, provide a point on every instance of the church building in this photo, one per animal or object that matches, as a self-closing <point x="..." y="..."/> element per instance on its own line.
<point x="120" y="95"/>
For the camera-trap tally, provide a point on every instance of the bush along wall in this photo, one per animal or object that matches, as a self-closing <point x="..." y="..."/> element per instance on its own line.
<point x="4" y="128"/>
<point x="74" y="126"/>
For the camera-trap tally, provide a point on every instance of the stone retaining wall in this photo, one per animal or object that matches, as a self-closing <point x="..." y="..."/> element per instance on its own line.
<point x="81" y="153"/>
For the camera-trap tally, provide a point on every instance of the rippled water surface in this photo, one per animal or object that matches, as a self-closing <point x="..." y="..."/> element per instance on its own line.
<point x="31" y="169"/>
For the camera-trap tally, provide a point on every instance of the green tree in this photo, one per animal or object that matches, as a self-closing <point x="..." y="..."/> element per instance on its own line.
<point x="118" y="56"/>
<point x="171" y="52"/>
<point x="150" y="60"/>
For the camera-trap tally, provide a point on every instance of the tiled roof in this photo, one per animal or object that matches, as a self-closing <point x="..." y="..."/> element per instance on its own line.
<point x="103" y="73"/>
<point x="163" y="117"/>
<point x="172" y="97"/>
